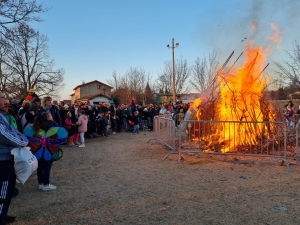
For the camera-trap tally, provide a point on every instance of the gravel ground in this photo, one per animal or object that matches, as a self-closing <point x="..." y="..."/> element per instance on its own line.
<point x="122" y="179"/>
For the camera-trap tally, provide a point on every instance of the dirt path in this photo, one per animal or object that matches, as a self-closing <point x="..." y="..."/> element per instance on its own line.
<point x="122" y="179"/>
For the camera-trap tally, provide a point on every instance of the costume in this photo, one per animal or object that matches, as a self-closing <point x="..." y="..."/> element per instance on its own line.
<point x="31" y="95"/>
<point x="9" y="139"/>
<point x="45" y="146"/>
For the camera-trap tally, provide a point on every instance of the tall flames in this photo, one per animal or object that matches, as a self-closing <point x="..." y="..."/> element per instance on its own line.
<point x="240" y="97"/>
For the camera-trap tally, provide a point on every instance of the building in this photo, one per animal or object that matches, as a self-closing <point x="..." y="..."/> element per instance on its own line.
<point x="93" y="92"/>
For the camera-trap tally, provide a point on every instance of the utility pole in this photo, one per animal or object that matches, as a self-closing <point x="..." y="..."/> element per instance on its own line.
<point x="173" y="69"/>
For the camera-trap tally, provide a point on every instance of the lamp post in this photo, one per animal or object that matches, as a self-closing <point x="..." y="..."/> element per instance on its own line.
<point x="173" y="69"/>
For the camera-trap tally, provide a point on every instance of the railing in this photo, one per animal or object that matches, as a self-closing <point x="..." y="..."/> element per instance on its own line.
<point x="294" y="123"/>
<point x="242" y="138"/>
<point x="165" y="131"/>
<point x="234" y="137"/>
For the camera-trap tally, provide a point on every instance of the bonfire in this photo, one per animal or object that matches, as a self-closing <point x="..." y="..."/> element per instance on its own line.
<point x="236" y="94"/>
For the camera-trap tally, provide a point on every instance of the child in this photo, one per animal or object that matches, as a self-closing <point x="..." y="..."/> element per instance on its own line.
<point x="44" y="122"/>
<point x="104" y="124"/>
<point x="69" y="128"/>
<point x="99" y="125"/>
<point x="82" y="126"/>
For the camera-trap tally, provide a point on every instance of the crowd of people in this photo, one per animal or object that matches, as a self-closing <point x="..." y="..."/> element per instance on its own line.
<point x="22" y="120"/>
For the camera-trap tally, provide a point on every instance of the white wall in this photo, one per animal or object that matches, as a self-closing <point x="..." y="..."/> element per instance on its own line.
<point x="99" y="99"/>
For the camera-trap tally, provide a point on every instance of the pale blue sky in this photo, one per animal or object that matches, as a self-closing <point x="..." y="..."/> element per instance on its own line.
<point x="90" y="39"/>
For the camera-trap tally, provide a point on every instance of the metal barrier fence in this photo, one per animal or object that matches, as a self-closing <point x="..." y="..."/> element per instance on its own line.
<point x="241" y="138"/>
<point x="234" y="137"/>
<point x="294" y="121"/>
<point x="165" y="131"/>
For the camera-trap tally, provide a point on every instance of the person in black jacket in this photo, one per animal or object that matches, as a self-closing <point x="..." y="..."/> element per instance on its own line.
<point x="9" y="139"/>
<point x="48" y="107"/>
<point x="62" y="112"/>
<point x="26" y="116"/>
<point x="151" y="114"/>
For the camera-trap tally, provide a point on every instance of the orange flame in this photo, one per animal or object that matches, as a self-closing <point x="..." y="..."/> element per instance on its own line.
<point x="241" y="92"/>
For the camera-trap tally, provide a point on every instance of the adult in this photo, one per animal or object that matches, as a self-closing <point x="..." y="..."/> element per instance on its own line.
<point x="126" y="114"/>
<point x="14" y="108"/>
<point x="62" y="112"/>
<point x="151" y="114"/>
<point x="49" y="108"/>
<point x="36" y="105"/>
<point x="26" y="116"/>
<point x="92" y="121"/>
<point x="9" y="139"/>
<point x="104" y="107"/>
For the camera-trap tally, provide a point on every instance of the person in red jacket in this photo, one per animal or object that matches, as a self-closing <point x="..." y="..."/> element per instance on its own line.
<point x="69" y="128"/>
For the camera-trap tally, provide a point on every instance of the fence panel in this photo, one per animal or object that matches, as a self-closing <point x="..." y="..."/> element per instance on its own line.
<point x="164" y="131"/>
<point x="234" y="137"/>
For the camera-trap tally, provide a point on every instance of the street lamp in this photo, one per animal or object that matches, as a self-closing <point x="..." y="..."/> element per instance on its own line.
<point x="173" y="69"/>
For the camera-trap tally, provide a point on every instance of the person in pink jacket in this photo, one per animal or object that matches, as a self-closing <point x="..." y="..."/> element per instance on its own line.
<point x="82" y="126"/>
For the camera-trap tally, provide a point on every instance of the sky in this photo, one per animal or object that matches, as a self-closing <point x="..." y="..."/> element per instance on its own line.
<point x="91" y="39"/>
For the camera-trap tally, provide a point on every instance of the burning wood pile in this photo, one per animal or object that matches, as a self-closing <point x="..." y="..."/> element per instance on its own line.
<point x="236" y="94"/>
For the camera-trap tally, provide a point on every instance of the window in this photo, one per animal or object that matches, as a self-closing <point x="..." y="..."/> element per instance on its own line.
<point x="98" y="86"/>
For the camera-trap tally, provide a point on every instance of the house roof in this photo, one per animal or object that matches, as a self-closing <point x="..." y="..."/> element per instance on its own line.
<point x="67" y="101"/>
<point x="191" y="95"/>
<point x="88" y="97"/>
<point x="94" y="81"/>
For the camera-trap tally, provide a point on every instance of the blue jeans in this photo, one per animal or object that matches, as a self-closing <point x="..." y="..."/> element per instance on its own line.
<point x="140" y="122"/>
<point x="125" y="124"/>
<point x="43" y="171"/>
<point x="136" y="128"/>
<point x="104" y="130"/>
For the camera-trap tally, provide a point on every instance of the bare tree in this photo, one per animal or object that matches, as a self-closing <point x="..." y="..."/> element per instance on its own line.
<point x="203" y="71"/>
<point x="28" y="64"/>
<point x="114" y="81"/>
<point x="182" y="73"/>
<point x="131" y="85"/>
<point x="17" y="11"/>
<point x="290" y="69"/>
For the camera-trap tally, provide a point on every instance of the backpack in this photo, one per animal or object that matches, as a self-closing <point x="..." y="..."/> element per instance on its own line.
<point x="19" y="123"/>
<point x="12" y="121"/>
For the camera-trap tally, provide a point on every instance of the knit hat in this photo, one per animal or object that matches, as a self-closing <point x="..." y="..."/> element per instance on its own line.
<point x="31" y="90"/>
<point x="14" y="102"/>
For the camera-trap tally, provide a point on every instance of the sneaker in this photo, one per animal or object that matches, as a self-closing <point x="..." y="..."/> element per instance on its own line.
<point x="114" y="132"/>
<point x="40" y="187"/>
<point x="81" y="146"/>
<point x="49" y="187"/>
<point x="77" y="143"/>
<point x="70" y="145"/>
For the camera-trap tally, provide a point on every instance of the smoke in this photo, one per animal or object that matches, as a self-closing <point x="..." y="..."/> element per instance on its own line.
<point x="262" y="21"/>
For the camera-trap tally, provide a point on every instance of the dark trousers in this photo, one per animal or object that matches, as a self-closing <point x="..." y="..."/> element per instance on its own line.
<point x="7" y="187"/>
<point x="43" y="171"/>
